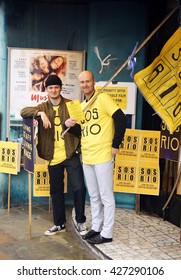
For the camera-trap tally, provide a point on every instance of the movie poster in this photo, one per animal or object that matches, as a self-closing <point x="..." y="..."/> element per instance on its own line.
<point x="29" y="69"/>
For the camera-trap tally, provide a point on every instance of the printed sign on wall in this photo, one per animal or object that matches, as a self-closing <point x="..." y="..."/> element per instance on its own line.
<point x="137" y="163"/>
<point x="124" y="95"/>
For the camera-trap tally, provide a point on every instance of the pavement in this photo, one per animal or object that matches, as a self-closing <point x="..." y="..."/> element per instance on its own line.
<point x="136" y="237"/>
<point x="22" y="236"/>
<point x="139" y="237"/>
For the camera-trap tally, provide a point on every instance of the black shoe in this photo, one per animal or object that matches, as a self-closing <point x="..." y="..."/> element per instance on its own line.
<point x="98" y="239"/>
<point x="55" y="229"/>
<point x="91" y="233"/>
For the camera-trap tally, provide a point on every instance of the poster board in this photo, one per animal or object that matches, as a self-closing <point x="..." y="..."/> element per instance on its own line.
<point x="137" y="163"/>
<point x="10" y="156"/>
<point x="28" y="70"/>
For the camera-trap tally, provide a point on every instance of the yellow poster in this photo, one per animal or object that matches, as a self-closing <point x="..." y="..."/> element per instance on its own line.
<point x="125" y="176"/>
<point x="10" y="157"/>
<point x="75" y="110"/>
<point x="160" y="82"/>
<point x="148" y="178"/>
<point x="130" y="146"/>
<point x="41" y="180"/>
<point x="41" y="186"/>
<point x="137" y="163"/>
<point x="149" y="146"/>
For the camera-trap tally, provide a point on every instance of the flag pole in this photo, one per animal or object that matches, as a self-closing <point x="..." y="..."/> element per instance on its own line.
<point x="174" y="188"/>
<point x="125" y="63"/>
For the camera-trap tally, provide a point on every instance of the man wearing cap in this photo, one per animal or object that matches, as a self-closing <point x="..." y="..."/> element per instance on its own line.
<point x="60" y="153"/>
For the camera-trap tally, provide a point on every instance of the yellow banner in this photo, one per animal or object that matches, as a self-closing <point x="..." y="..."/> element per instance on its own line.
<point x="137" y="163"/>
<point x="10" y="157"/>
<point x="160" y="82"/>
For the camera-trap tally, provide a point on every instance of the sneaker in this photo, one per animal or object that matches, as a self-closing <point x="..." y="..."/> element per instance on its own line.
<point x="55" y="229"/>
<point x="82" y="228"/>
<point x="91" y="233"/>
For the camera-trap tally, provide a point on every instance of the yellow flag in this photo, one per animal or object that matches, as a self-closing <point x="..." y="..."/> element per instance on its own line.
<point x="160" y="82"/>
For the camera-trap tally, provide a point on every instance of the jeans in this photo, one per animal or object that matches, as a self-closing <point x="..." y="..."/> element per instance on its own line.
<point x="75" y="177"/>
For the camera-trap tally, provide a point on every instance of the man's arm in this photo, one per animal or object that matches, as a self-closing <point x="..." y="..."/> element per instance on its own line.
<point x="29" y="112"/>
<point x="74" y="128"/>
<point x="120" y="127"/>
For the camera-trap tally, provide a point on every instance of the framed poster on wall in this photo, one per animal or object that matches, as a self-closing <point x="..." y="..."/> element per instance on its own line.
<point x="124" y="94"/>
<point x="28" y="70"/>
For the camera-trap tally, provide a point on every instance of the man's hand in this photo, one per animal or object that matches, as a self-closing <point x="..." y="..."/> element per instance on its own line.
<point x="45" y="120"/>
<point x="70" y="122"/>
<point x="114" y="151"/>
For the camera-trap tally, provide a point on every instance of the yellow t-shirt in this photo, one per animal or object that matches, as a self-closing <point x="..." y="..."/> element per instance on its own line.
<point x="59" y="144"/>
<point x="98" y="130"/>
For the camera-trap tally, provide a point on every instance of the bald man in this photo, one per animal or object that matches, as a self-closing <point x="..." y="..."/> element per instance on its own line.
<point x="102" y="132"/>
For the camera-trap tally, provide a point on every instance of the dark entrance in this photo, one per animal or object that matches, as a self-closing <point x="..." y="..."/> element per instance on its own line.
<point x="158" y="10"/>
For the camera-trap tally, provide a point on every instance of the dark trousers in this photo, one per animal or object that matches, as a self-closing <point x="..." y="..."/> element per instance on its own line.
<point x="75" y="177"/>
